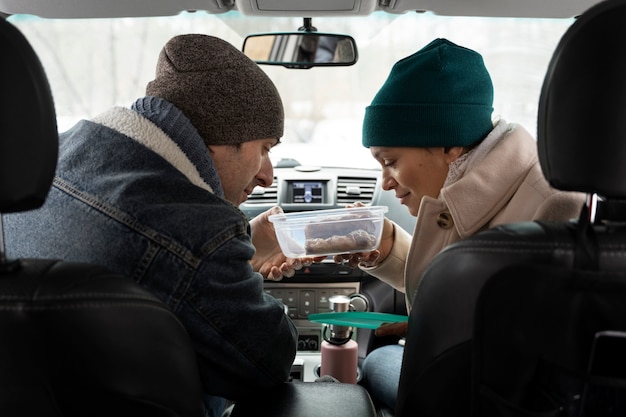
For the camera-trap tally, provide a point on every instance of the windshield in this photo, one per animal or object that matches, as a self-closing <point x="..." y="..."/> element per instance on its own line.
<point x="94" y="64"/>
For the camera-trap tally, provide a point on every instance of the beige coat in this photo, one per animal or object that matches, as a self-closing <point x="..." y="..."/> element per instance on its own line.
<point x="506" y="186"/>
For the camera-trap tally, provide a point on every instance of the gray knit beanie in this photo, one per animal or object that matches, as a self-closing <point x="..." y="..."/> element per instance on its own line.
<point x="225" y="95"/>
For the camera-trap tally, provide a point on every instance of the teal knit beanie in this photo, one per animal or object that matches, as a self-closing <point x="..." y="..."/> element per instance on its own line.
<point x="442" y="95"/>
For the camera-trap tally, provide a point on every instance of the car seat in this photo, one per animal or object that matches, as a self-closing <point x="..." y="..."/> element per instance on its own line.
<point x="529" y="319"/>
<point x="76" y="339"/>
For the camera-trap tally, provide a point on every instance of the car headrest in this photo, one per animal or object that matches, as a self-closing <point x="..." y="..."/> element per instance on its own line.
<point x="581" y="123"/>
<point x="28" y="128"/>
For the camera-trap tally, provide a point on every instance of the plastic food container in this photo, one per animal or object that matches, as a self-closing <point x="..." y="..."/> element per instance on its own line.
<point x="329" y="232"/>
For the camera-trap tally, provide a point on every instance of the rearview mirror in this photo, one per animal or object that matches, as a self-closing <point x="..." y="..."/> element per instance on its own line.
<point x="301" y="50"/>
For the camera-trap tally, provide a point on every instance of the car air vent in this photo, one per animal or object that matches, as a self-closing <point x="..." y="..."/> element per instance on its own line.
<point x="352" y="189"/>
<point x="262" y="195"/>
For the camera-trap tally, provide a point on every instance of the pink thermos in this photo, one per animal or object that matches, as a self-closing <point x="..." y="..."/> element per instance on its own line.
<point x="339" y="352"/>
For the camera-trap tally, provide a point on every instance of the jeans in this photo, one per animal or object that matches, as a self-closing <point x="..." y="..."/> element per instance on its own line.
<point x="214" y="406"/>
<point x="381" y="374"/>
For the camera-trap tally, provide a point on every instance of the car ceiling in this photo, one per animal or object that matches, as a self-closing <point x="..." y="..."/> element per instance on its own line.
<point x="295" y="8"/>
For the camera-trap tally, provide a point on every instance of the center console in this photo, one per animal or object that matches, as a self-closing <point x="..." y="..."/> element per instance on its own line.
<point x="309" y="292"/>
<point x="299" y="188"/>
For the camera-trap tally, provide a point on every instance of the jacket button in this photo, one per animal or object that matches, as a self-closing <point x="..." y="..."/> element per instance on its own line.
<point x="444" y="220"/>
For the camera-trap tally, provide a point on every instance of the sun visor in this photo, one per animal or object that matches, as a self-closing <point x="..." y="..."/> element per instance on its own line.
<point x="306" y="8"/>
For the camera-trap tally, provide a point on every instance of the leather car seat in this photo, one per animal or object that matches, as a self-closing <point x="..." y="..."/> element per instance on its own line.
<point x="76" y="339"/>
<point x="529" y="319"/>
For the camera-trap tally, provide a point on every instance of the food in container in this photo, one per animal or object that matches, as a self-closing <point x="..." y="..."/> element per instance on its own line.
<point x="329" y="232"/>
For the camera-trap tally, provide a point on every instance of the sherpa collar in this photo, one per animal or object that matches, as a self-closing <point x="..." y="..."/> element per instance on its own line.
<point x="142" y="130"/>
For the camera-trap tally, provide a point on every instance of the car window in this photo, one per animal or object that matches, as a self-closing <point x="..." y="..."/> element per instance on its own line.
<point x="94" y="64"/>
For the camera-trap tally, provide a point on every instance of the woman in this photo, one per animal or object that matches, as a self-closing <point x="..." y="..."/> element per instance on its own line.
<point x="430" y="127"/>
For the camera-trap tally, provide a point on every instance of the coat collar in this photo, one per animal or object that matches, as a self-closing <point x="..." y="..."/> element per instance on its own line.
<point x="490" y="182"/>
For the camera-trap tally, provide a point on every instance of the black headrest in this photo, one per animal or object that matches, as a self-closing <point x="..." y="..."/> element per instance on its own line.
<point x="582" y="109"/>
<point x="28" y="129"/>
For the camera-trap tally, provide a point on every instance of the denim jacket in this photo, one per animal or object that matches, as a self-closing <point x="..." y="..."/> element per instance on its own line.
<point x="136" y="191"/>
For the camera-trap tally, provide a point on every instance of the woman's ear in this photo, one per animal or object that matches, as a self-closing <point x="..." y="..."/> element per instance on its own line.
<point x="453" y="153"/>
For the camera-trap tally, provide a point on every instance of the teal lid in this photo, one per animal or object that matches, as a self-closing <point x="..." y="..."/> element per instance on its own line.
<point x="365" y="320"/>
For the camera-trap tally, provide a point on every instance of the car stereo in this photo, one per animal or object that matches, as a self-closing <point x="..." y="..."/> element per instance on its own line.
<point x="306" y="192"/>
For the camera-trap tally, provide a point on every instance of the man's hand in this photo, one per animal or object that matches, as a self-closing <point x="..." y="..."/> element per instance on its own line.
<point x="269" y="260"/>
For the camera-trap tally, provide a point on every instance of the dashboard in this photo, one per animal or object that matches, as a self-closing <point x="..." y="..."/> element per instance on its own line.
<point x="302" y="188"/>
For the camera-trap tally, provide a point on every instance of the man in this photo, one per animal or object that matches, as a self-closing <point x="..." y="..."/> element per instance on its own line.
<point x="152" y="192"/>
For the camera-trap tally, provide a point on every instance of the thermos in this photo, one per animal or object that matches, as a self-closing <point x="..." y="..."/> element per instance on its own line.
<point x="339" y="351"/>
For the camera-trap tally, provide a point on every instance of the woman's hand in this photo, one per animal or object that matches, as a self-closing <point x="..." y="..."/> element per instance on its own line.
<point x="392" y="329"/>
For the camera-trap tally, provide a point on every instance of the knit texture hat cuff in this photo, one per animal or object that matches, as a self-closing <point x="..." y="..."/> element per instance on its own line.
<point x="404" y="125"/>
